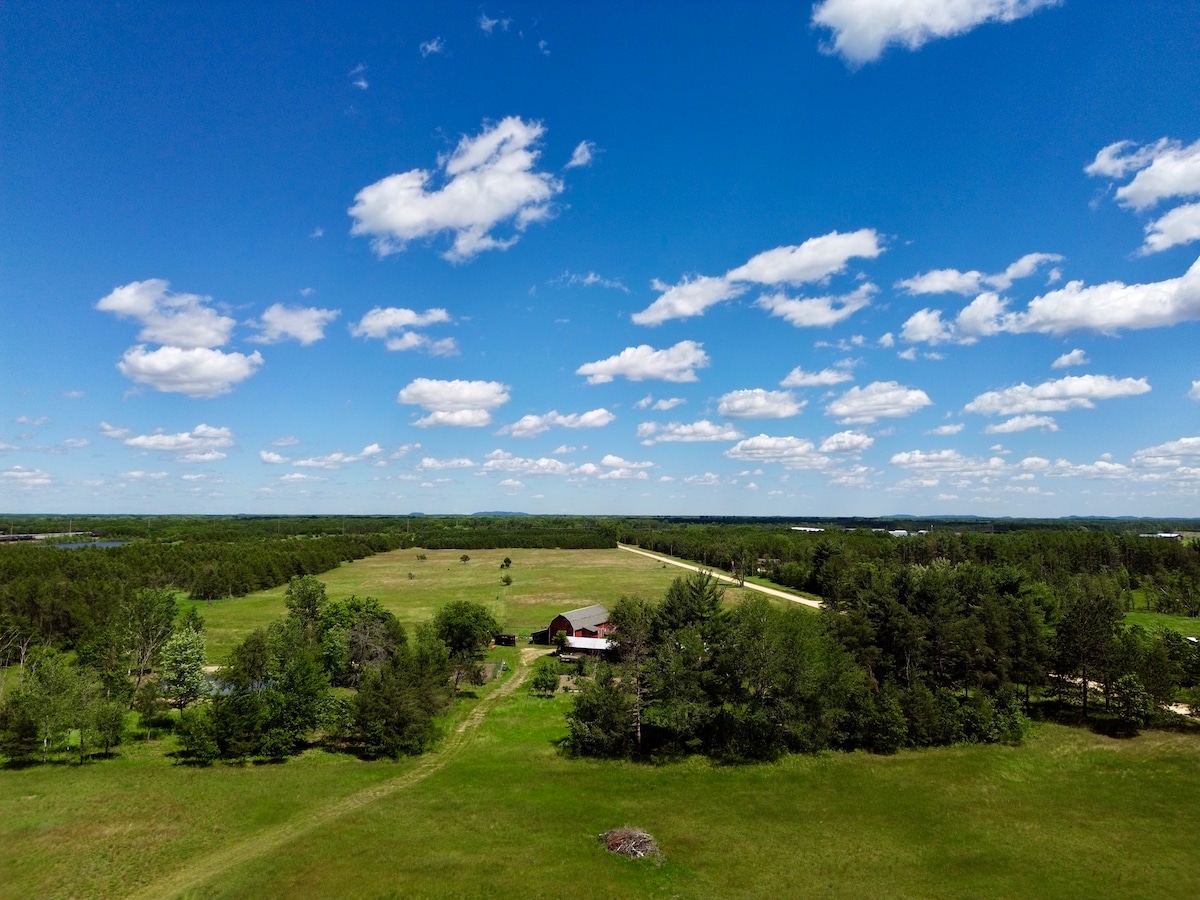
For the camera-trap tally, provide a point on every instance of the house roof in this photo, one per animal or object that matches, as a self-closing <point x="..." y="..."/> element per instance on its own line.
<point x="589" y="617"/>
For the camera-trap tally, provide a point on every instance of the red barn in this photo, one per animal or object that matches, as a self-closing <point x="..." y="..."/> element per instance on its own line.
<point x="587" y="622"/>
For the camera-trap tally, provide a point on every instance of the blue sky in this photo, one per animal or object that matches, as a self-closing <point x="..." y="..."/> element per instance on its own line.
<point x="847" y="258"/>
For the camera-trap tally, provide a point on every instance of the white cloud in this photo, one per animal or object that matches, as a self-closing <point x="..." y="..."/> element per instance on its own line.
<point x="948" y="463"/>
<point x="799" y="378"/>
<point x="887" y="340"/>
<point x="570" y="279"/>
<point x="847" y="442"/>
<point x="880" y="399"/>
<point x="708" y="478"/>
<point x="300" y="478"/>
<point x="383" y="322"/>
<point x="203" y="443"/>
<point x="582" y="156"/>
<point x="413" y="340"/>
<point x="678" y="432"/>
<point x="666" y="403"/>
<point x="305" y="324"/>
<point x="945" y="430"/>
<point x="1022" y="423"/>
<point x="456" y="403"/>
<point x="1180" y="226"/>
<point x="863" y="29"/>
<point x="1165" y="169"/>
<point x="1194" y="393"/>
<point x="1071" y="392"/>
<point x="490" y="180"/>
<point x="140" y="475"/>
<point x="952" y="281"/>
<point x="286" y="441"/>
<point x="616" y="462"/>
<point x="502" y="461"/>
<point x="1105" y="308"/>
<point x="1172" y="453"/>
<point x="512" y="483"/>
<point x="77" y="443"/>
<point x="817" y="312"/>
<point x="528" y="426"/>
<point x="791" y="452"/>
<point x="198" y="372"/>
<point x="691" y="297"/>
<point x="815" y="260"/>
<point x="624" y="474"/>
<point x="677" y="364"/>
<point x="1075" y="358"/>
<point x="759" y="404"/>
<point x="436" y="45"/>
<point x="337" y="459"/>
<point x="180" y="320"/>
<point x="430" y="463"/>
<point x="26" y="477"/>
<point x="489" y="25"/>
<point x="271" y="458"/>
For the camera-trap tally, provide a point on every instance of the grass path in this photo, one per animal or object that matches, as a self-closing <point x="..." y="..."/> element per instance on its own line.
<point x="199" y="872"/>
<point x="748" y="585"/>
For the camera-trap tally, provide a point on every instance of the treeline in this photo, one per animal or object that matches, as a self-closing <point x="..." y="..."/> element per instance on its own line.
<point x="60" y="598"/>
<point x="929" y="655"/>
<point x="835" y="565"/>
<point x="275" y="695"/>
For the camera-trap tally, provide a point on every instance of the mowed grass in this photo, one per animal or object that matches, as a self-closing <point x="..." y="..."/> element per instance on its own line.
<point x="1069" y="814"/>
<point x="545" y="583"/>
<point x="1185" y="625"/>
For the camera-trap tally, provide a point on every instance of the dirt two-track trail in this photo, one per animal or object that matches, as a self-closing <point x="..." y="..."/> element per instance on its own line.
<point x="198" y="872"/>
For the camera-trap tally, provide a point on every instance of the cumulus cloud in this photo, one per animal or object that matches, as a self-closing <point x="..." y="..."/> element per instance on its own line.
<point x="1075" y="358"/>
<point x="1194" y="393"/>
<point x="708" y="478"/>
<point x="679" y="432"/>
<point x="826" y="377"/>
<point x="880" y="399"/>
<point x="435" y="45"/>
<point x="305" y="324"/>
<point x="691" y="297"/>
<point x="677" y="364"/>
<point x="1172" y="453"/>
<point x="952" y="281"/>
<point x="791" y="452"/>
<point x="863" y="29"/>
<point x="945" y="430"/>
<point x="337" y="459"/>
<point x="272" y="458"/>
<point x="1022" y="423"/>
<point x="489" y="181"/>
<point x="503" y="461"/>
<point x="817" y="312"/>
<point x="457" y="403"/>
<point x="198" y="372"/>
<point x="758" y="403"/>
<point x="179" y="320"/>
<point x="22" y="476"/>
<point x="204" y="443"/>
<point x="949" y="463"/>
<point x="1071" y="392"/>
<point x="430" y="463"/>
<point x="531" y="425"/>
<point x="1104" y="308"/>
<point x="394" y="325"/>
<point x="666" y="403"/>
<point x="847" y="442"/>
<point x="1166" y="170"/>
<point x="489" y="25"/>
<point x="1180" y="226"/>
<point x="815" y="260"/>
<point x="583" y="154"/>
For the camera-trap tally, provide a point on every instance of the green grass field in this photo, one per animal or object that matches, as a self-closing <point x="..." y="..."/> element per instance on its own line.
<point x="545" y="583"/>
<point x="498" y="811"/>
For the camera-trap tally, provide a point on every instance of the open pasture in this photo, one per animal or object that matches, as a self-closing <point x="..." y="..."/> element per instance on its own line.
<point x="545" y="582"/>
<point x="1069" y="814"/>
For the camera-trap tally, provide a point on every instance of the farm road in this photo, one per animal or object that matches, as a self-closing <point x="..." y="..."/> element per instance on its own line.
<point x="749" y="586"/>
<point x="196" y="873"/>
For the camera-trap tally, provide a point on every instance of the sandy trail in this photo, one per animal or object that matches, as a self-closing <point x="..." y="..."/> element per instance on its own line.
<point x="749" y="586"/>
<point x="198" y="872"/>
